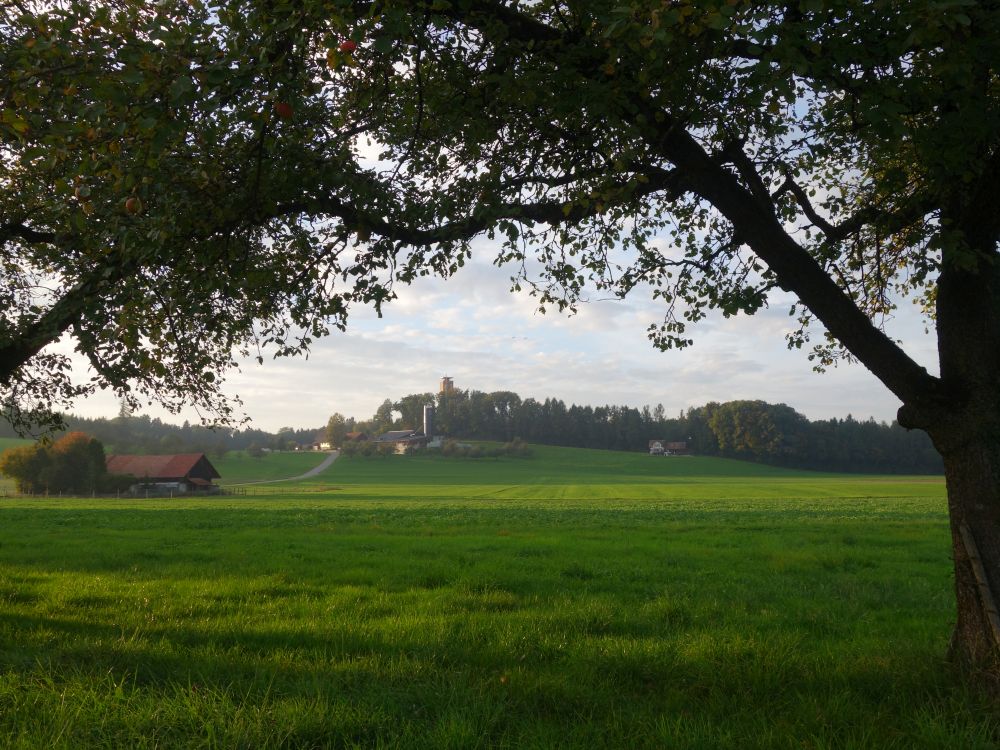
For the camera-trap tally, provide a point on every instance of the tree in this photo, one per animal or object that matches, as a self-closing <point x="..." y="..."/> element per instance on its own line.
<point x="75" y="463"/>
<point x="705" y="152"/>
<point x="382" y="419"/>
<point x="411" y="410"/>
<point x="25" y="465"/>
<point x="160" y="165"/>
<point x="336" y="429"/>
<point x="757" y="430"/>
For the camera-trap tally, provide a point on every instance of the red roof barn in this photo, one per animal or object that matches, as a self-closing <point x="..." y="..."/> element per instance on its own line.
<point x="183" y="472"/>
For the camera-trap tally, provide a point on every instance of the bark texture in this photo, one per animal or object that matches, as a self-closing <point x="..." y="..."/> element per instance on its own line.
<point x="967" y="434"/>
<point x="973" y="476"/>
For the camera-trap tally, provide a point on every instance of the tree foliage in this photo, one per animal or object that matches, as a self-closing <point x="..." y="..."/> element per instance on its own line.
<point x="337" y="428"/>
<point x="73" y="464"/>
<point x="157" y="163"/>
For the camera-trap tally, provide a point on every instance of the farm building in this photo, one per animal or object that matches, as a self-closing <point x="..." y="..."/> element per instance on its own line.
<point x="667" y="448"/>
<point x="402" y="440"/>
<point x="355" y="437"/>
<point x="405" y="440"/>
<point x="178" y="473"/>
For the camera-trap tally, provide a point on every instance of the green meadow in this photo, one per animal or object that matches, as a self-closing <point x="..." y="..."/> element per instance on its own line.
<point x="574" y="599"/>
<point x="238" y="467"/>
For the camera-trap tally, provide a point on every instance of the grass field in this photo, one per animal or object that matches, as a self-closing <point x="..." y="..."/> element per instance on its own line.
<point x="574" y="599"/>
<point x="237" y="467"/>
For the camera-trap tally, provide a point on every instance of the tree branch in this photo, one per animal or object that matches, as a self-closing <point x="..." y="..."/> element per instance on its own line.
<point x="549" y="212"/>
<point x="869" y="214"/>
<point x="797" y="271"/>
<point x="16" y="230"/>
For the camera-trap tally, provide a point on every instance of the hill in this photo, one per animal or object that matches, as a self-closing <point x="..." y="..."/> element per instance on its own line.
<point x="237" y="467"/>
<point x="605" y="477"/>
<point x="553" y="465"/>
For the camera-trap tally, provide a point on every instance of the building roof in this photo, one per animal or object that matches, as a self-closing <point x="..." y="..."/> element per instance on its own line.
<point x="356" y="436"/>
<point x="172" y="466"/>
<point x="395" y="436"/>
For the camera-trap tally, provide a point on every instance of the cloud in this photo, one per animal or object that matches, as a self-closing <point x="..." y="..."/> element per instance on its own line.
<point x="474" y="329"/>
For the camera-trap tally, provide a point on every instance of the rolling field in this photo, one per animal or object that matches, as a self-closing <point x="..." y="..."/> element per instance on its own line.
<point x="236" y="467"/>
<point x="574" y="599"/>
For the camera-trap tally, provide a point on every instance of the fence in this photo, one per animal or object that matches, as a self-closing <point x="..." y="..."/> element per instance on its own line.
<point x="234" y="491"/>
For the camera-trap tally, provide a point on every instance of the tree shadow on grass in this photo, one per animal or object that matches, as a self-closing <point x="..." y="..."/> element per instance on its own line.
<point x="615" y="688"/>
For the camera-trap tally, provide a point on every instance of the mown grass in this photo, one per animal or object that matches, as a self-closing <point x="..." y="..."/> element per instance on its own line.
<point x="755" y="610"/>
<point x="237" y="467"/>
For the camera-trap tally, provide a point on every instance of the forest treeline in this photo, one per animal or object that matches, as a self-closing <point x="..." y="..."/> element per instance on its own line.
<point x="141" y="434"/>
<point x="751" y="430"/>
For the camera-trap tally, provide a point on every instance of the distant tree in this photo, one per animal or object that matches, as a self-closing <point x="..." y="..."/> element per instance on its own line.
<point x="336" y="429"/>
<point x="219" y="449"/>
<point x="74" y="464"/>
<point x="411" y="410"/>
<point x="125" y="409"/>
<point x="284" y="440"/>
<point x="25" y="465"/>
<point x="659" y="413"/>
<point x="756" y="429"/>
<point x="170" y="443"/>
<point x="77" y="464"/>
<point x="382" y="419"/>
<point x="255" y="451"/>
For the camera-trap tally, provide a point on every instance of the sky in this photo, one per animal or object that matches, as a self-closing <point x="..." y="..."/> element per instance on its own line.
<point x="475" y="330"/>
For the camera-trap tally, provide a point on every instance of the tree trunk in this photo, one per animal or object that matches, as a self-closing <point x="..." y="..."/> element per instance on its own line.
<point x="972" y="471"/>
<point x="967" y="433"/>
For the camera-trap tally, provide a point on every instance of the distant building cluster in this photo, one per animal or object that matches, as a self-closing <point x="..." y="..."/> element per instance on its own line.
<point x="403" y="441"/>
<point x="668" y="448"/>
<point x="406" y="440"/>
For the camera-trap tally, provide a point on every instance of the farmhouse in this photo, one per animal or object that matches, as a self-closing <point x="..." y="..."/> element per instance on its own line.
<point x="402" y="440"/>
<point x="179" y="473"/>
<point x="667" y="448"/>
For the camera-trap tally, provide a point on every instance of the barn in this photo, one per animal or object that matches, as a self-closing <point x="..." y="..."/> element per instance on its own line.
<point x="177" y="473"/>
